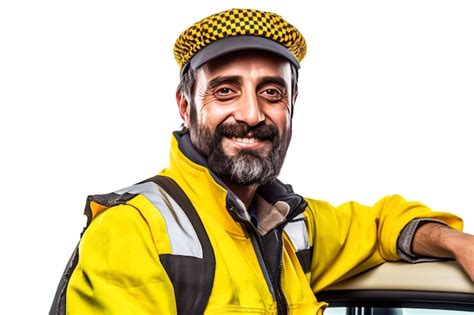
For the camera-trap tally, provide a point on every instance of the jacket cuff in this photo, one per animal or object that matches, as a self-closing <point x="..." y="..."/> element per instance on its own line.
<point x="405" y="241"/>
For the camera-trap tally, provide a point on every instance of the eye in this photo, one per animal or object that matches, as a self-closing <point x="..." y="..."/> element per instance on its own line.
<point x="272" y="94"/>
<point x="224" y="93"/>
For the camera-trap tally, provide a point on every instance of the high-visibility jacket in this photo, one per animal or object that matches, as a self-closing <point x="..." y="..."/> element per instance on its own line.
<point x="145" y="255"/>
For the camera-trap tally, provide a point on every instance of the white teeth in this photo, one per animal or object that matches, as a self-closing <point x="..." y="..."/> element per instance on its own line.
<point x="245" y="140"/>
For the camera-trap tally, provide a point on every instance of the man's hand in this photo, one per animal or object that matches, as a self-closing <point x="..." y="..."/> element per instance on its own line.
<point x="437" y="240"/>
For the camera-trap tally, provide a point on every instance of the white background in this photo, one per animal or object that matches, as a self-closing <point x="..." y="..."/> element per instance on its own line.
<point x="87" y="106"/>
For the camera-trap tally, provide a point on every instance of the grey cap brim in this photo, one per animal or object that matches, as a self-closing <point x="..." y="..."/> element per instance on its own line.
<point x="229" y="45"/>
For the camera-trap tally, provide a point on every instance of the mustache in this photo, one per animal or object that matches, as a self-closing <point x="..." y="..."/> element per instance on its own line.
<point x="262" y="131"/>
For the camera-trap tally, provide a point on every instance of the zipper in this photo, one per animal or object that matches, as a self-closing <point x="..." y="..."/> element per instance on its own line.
<point x="275" y="284"/>
<point x="280" y="267"/>
<point x="283" y="309"/>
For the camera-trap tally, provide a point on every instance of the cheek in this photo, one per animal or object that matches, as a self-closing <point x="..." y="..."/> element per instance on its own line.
<point x="212" y="115"/>
<point x="280" y="117"/>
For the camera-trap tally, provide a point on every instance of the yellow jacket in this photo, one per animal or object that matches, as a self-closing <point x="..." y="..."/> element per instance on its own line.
<point x="126" y="250"/>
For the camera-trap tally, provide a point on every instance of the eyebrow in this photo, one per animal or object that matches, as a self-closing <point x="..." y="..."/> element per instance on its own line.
<point x="221" y="80"/>
<point x="238" y="79"/>
<point x="273" y="80"/>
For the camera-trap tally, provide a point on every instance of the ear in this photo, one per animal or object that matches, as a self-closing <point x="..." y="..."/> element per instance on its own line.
<point x="294" y="96"/>
<point x="293" y="101"/>
<point x="184" y="108"/>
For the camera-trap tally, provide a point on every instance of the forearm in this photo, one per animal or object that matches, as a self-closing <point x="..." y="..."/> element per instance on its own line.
<point x="434" y="240"/>
<point x="438" y="240"/>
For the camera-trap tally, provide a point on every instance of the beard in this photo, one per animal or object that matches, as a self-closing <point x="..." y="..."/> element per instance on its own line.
<point x="246" y="167"/>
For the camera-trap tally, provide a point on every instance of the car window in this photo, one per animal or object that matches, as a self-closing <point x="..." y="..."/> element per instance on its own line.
<point x="401" y="311"/>
<point x="417" y="311"/>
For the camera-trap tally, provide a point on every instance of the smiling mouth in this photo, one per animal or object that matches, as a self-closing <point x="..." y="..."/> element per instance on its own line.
<point x="247" y="143"/>
<point x="245" y="140"/>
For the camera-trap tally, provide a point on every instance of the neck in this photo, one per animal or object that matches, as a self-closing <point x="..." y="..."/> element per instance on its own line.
<point x="245" y="193"/>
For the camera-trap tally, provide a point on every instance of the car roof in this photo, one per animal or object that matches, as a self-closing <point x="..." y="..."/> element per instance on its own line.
<point x="445" y="276"/>
<point x="433" y="285"/>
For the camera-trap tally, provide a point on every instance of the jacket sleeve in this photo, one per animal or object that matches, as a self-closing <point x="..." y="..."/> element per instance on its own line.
<point x="119" y="271"/>
<point x="352" y="238"/>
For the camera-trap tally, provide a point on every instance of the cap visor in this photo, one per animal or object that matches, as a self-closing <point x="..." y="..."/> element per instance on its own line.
<point x="238" y="43"/>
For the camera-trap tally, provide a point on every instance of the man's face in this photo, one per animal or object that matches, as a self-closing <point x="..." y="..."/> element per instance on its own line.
<point x="240" y="116"/>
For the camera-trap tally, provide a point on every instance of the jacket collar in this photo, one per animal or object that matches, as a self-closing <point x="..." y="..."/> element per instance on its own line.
<point x="189" y="168"/>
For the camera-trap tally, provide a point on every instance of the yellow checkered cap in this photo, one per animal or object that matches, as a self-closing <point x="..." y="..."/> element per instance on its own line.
<point x="238" y="29"/>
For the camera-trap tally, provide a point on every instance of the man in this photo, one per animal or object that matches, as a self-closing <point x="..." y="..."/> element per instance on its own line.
<point x="218" y="233"/>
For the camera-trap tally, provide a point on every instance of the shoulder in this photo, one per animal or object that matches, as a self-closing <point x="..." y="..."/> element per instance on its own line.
<point x="136" y="212"/>
<point x="318" y="208"/>
<point x="118" y="222"/>
<point x="326" y="216"/>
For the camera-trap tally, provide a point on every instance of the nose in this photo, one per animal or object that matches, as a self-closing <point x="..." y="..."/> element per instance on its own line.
<point x="249" y="110"/>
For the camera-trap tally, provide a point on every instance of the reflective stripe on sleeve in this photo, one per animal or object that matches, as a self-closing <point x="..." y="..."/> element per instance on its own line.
<point x="183" y="238"/>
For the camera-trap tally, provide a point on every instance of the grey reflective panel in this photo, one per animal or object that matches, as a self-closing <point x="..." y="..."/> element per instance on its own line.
<point x="335" y="311"/>
<point x="182" y="236"/>
<point x="298" y="233"/>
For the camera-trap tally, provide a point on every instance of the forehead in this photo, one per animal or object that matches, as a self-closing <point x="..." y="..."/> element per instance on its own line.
<point x="247" y="64"/>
